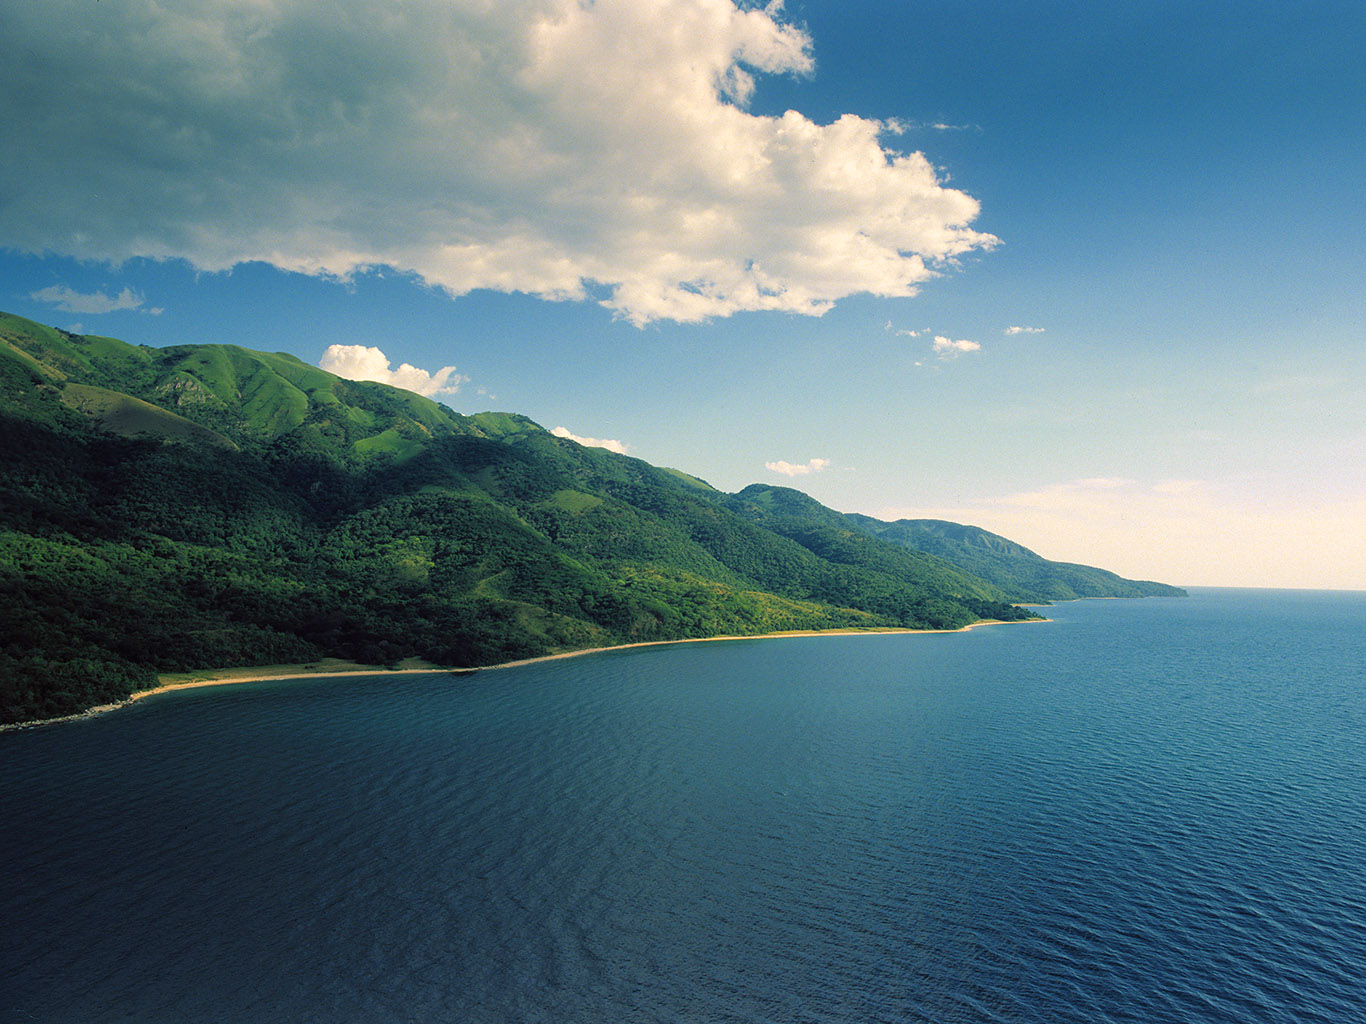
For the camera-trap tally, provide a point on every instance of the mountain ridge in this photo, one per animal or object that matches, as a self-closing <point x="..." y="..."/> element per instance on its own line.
<point x="199" y="506"/>
<point x="1033" y="578"/>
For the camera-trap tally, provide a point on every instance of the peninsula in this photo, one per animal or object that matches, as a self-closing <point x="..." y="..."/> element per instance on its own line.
<point x="167" y="509"/>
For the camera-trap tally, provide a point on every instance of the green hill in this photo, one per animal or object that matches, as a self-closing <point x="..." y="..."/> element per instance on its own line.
<point x="1026" y="575"/>
<point x="207" y="505"/>
<point x="858" y="568"/>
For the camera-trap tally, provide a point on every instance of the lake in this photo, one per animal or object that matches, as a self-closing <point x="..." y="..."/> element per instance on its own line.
<point x="1140" y="811"/>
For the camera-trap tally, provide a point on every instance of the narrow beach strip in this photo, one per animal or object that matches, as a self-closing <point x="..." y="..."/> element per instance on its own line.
<point x="333" y="668"/>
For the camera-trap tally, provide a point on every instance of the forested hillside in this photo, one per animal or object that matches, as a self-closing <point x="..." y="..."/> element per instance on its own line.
<point x="1028" y="576"/>
<point x="207" y="505"/>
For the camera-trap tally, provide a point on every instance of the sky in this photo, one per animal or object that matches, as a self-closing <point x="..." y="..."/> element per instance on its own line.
<point x="1088" y="275"/>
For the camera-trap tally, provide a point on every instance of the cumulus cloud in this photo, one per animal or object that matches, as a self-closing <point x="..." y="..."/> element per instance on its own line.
<point x="1024" y="330"/>
<point x="798" y="469"/>
<point x="553" y="147"/>
<point x="71" y="301"/>
<point x="361" y="362"/>
<point x="947" y="348"/>
<point x="591" y="442"/>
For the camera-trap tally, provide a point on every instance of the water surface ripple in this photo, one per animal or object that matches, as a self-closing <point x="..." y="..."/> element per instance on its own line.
<point x="1142" y="811"/>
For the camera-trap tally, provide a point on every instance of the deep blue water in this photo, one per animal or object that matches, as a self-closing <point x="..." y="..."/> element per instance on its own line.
<point x="1142" y="811"/>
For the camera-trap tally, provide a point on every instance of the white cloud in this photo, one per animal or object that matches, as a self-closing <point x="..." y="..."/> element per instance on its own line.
<point x="1023" y="330"/>
<point x="361" y="362"/>
<point x="799" y="469"/>
<point x="904" y="332"/>
<point x="553" y="147"/>
<point x="72" y="301"/>
<point x="948" y="347"/>
<point x="591" y="442"/>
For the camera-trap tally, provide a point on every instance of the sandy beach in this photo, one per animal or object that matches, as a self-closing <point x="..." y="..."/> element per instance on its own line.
<point x="336" y="668"/>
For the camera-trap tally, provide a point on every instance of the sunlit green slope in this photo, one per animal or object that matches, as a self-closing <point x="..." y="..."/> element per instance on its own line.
<point x="199" y="506"/>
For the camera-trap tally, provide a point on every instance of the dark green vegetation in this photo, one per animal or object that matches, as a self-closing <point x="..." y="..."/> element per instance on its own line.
<point x="207" y="505"/>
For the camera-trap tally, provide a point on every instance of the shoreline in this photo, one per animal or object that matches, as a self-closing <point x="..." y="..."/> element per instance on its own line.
<point x="332" y="668"/>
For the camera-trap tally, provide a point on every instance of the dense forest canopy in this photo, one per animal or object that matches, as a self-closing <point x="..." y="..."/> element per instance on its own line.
<point x="207" y="505"/>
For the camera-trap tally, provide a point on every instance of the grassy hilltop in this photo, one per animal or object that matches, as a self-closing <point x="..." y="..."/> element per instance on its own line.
<point x="171" y="509"/>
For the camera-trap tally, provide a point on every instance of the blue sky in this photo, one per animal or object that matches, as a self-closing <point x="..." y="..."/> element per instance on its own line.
<point x="1089" y="275"/>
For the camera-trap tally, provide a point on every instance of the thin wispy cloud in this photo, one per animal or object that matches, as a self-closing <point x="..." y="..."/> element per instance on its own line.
<point x="903" y="332"/>
<point x="900" y="126"/>
<point x="591" y="442"/>
<point x="943" y="346"/>
<point x="362" y="362"/>
<point x="551" y="147"/>
<point x="71" y="301"/>
<point x="797" y="469"/>
<point x="1023" y="330"/>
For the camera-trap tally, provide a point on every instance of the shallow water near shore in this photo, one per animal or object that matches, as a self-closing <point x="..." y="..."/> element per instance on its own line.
<point x="1142" y="811"/>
